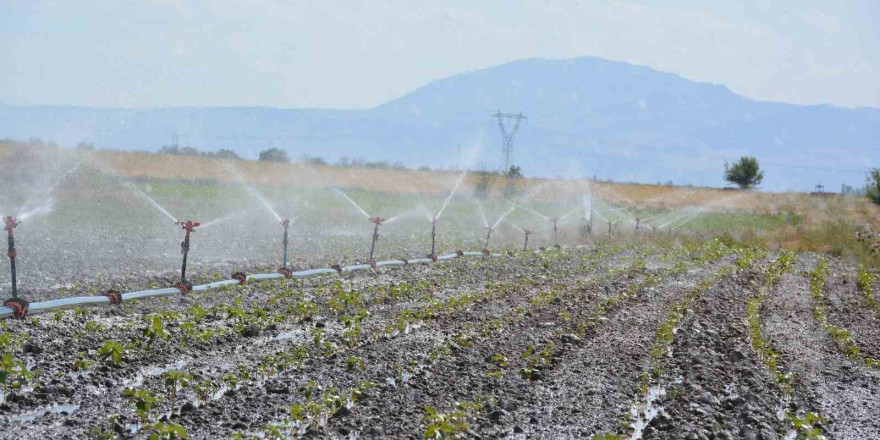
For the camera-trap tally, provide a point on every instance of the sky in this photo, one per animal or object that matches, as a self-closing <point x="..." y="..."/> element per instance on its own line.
<point x="359" y="54"/>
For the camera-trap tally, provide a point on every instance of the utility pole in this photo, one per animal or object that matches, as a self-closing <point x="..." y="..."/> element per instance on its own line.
<point x="507" y="136"/>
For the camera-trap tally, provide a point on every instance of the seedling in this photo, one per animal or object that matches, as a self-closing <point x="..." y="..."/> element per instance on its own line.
<point x="155" y="329"/>
<point x="174" y="381"/>
<point x="111" y="352"/>
<point x="13" y="373"/>
<point x="143" y="402"/>
<point x="166" y="431"/>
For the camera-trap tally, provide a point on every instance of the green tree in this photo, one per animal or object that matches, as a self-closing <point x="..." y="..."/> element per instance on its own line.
<point x="746" y="173"/>
<point x="484" y="184"/>
<point x="514" y="176"/>
<point x="872" y="188"/>
<point x="274" y="155"/>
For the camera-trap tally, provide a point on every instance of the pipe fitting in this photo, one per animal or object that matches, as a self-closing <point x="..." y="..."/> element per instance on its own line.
<point x="286" y="272"/>
<point x="241" y="277"/>
<point x="184" y="287"/>
<point x="115" y="297"/>
<point x="337" y="268"/>
<point x="19" y="307"/>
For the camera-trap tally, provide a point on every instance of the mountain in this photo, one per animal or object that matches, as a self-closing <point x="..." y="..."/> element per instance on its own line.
<point x="586" y="116"/>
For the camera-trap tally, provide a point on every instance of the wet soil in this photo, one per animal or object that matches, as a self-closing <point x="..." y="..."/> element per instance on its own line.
<point x="546" y="345"/>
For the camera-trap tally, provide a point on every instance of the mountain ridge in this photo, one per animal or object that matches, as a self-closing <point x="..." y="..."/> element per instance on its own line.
<point x="586" y="116"/>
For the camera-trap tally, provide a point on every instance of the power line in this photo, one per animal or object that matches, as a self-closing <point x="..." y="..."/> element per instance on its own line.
<point x="808" y="167"/>
<point x="507" y="137"/>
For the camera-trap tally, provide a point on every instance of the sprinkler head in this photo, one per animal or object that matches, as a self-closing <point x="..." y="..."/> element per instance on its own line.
<point x="377" y="220"/>
<point x="285" y="223"/>
<point x="11" y="223"/>
<point x="188" y="225"/>
<point x="527" y="231"/>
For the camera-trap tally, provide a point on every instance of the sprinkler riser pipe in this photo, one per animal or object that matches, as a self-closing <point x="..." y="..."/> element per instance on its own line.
<point x="433" y="235"/>
<point x="11" y="223"/>
<point x="375" y="238"/>
<point x="184" y="248"/>
<point x="526" y="244"/>
<point x="284" y="265"/>
<point x="12" y="266"/>
<point x="488" y="234"/>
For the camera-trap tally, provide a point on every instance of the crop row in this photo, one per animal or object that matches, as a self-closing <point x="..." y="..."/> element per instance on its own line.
<point x="840" y="336"/>
<point x="537" y="360"/>
<point x="665" y="334"/>
<point x="456" y="420"/>
<point x="433" y="311"/>
<point x="805" y="424"/>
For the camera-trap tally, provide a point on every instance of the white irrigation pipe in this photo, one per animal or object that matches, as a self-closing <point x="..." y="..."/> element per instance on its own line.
<point x="44" y="306"/>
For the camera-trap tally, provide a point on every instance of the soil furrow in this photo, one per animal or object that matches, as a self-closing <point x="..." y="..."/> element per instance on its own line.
<point x="844" y="390"/>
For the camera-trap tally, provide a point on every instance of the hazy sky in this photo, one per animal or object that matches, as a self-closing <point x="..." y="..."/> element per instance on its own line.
<point x="322" y="53"/>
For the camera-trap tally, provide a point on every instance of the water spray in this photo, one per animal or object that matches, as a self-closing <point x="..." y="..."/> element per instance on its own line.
<point x="188" y="226"/>
<point x="18" y="305"/>
<point x="378" y="221"/>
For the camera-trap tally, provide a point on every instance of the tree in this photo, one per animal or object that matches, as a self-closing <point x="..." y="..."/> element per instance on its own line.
<point x="225" y="154"/>
<point x="484" y="184"/>
<point x="872" y="188"/>
<point x="514" y="175"/>
<point x="274" y="155"/>
<point x="746" y="173"/>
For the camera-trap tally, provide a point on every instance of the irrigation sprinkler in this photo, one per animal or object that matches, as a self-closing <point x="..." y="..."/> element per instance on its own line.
<point x="285" y="223"/>
<point x="18" y="305"/>
<point x="526" y="233"/>
<point x="188" y="226"/>
<point x="378" y="221"/>
<point x="638" y="220"/>
<point x="555" y="221"/>
<point x="488" y="234"/>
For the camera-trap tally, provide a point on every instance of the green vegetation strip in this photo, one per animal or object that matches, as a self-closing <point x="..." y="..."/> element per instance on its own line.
<point x="840" y="336"/>
<point x="807" y="425"/>
<point x="866" y="283"/>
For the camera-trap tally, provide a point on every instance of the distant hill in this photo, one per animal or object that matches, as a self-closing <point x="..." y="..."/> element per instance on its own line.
<point x="586" y="116"/>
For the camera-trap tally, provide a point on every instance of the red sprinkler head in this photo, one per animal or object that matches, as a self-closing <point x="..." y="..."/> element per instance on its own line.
<point x="285" y="223"/>
<point x="377" y="220"/>
<point x="11" y="223"/>
<point x="188" y="225"/>
<point x="527" y="231"/>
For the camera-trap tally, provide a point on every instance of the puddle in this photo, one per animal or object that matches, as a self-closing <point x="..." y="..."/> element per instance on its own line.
<point x="139" y="379"/>
<point x="643" y="412"/>
<point x="54" y="409"/>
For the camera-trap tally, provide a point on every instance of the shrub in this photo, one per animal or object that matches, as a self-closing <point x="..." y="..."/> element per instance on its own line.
<point x="872" y="188"/>
<point x="274" y="155"/>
